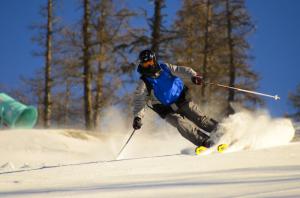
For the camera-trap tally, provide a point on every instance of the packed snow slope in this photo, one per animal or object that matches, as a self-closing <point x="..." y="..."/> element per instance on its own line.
<point x="264" y="162"/>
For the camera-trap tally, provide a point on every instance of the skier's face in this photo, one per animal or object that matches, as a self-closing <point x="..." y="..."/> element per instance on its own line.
<point x="150" y="68"/>
<point x="148" y="63"/>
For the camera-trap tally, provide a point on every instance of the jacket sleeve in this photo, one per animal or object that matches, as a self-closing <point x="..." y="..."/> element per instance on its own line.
<point x="140" y="99"/>
<point x="182" y="71"/>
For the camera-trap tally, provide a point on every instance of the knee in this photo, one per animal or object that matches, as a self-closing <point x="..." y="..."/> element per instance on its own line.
<point x="173" y="119"/>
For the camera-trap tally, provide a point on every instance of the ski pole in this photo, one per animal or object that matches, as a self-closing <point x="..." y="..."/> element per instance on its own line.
<point x="126" y="143"/>
<point x="276" y="97"/>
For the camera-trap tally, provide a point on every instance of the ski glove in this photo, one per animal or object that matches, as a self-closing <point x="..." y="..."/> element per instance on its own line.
<point x="197" y="79"/>
<point x="137" y="123"/>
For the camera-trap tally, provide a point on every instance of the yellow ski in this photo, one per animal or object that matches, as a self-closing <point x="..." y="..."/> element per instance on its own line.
<point x="202" y="149"/>
<point x="222" y="147"/>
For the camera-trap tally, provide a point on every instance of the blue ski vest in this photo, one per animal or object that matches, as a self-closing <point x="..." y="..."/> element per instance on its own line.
<point x="167" y="88"/>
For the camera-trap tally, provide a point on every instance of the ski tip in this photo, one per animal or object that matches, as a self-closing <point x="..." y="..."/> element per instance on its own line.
<point x="222" y="147"/>
<point x="200" y="149"/>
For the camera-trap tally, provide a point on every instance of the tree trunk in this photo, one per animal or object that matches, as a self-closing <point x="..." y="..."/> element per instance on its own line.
<point x="87" y="82"/>
<point x="205" y="50"/>
<point x="232" y="69"/>
<point x="99" y="95"/>
<point x="157" y="20"/>
<point x="67" y="102"/>
<point x="100" y="73"/>
<point x="48" y="80"/>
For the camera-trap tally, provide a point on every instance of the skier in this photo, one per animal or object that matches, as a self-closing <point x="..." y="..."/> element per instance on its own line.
<point x="162" y="89"/>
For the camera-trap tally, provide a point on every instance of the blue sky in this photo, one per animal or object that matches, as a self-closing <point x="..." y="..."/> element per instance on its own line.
<point x="275" y="44"/>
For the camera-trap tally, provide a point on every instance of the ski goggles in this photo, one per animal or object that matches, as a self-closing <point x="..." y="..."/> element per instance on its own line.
<point x="148" y="63"/>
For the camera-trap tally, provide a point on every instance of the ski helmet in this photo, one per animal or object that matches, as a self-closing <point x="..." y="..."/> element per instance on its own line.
<point x="148" y="65"/>
<point x="147" y="55"/>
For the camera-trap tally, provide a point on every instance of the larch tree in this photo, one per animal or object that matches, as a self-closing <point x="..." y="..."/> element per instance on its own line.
<point x="156" y="25"/>
<point x="112" y="68"/>
<point x="238" y="26"/>
<point x="196" y="43"/>
<point x="294" y="98"/>
<point x="44" y="38"/>
<point x="212" y="39"/>
<point x="48" y="61"/>
<point x="87" y="66"/>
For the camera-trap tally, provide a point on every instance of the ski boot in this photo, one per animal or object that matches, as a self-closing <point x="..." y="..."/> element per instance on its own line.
<point x="205" y="145"/>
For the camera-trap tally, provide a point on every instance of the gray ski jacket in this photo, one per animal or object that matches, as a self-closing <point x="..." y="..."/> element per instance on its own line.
<point x="141" y="97"/>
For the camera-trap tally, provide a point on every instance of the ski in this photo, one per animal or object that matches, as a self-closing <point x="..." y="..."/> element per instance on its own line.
<point x="202" y="150"/>
<point x="222" y="147"/>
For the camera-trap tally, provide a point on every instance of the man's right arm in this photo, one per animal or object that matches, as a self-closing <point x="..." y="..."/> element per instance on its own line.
<point x="140" y="99"/>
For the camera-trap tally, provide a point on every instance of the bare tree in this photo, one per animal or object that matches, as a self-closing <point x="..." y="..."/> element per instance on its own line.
<point x="232" y="68"/>
<point x="111" y="30"/>
<point x="87" y="67"/>
<point x="48" y="60"/>
<point x="196" y="44"/>
<point x="294" y="98"/>
<point x="156" y="25"/>
<point x="44" y="38"/>
<point x="206" y="46"/>
<point x="102" y="39"/>
<point x="212" y="39"/>
<point x="238" y="26"/>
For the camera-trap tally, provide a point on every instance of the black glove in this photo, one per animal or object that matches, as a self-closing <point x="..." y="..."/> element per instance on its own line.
<point x="197" y="79"/>
<point x="137" y="123"/>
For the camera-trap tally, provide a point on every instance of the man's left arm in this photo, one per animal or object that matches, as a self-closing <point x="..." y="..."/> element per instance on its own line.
<point x="182" y="71"/>
<point x="186" y="73"/>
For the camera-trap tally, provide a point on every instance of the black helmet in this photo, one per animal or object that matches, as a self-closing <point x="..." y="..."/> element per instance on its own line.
<point x="147" y="55"/>
<point x="150" y="71"/>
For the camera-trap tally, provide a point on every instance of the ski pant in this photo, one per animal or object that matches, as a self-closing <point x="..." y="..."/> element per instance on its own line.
<point x="189" y="121"/>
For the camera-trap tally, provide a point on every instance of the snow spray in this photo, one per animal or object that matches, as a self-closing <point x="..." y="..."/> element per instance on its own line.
<point x="156" y="137"/>
<point x="255" y="130"/>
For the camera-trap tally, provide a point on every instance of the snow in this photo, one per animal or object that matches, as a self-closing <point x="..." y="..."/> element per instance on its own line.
<point x="73" y="163"/>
